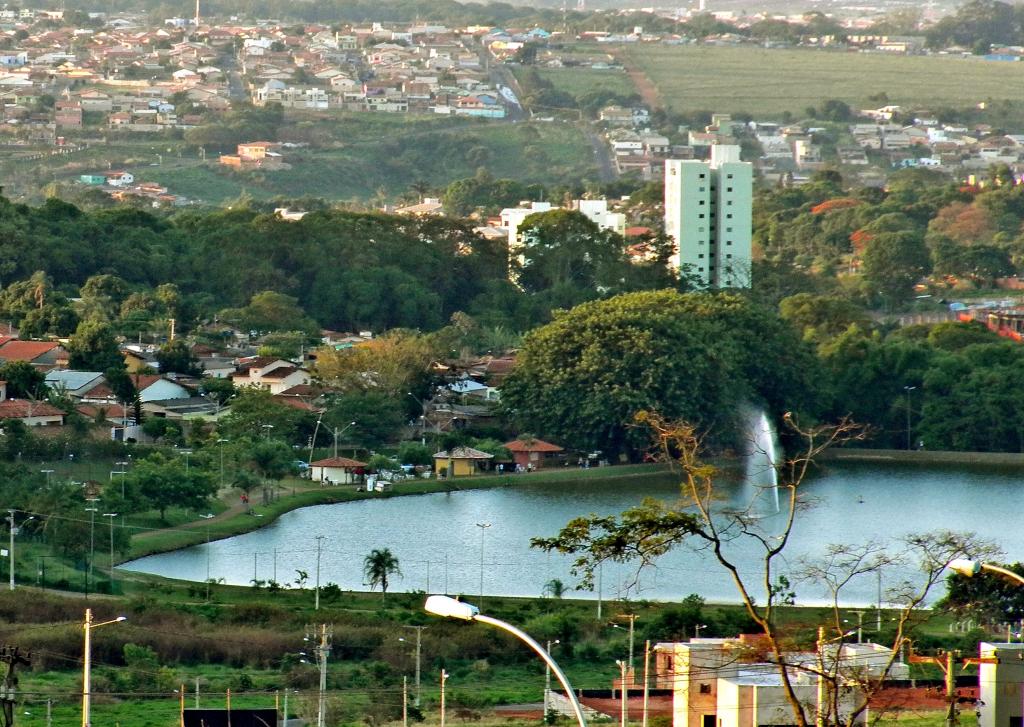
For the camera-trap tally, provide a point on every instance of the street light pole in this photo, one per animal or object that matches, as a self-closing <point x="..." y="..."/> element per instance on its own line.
<point x="88" y="626"/>
<point x="208" y="518"/>
<point x="92" y="541"/>
<point x="449" y="607"/>
<point x="221" y="442"/>
<point x="623" y="693"/>
<point x="14" y="531"/>
<point x="319" y="544"/>
<point x="547" y="679"/>
<point x="111" y="515"/>
<point x="971" y="568"/>
<point x="632" y="622"/>
<point x="419" y="653"/>
<point x="338" y="433"/>
<point x="483" y="528"/>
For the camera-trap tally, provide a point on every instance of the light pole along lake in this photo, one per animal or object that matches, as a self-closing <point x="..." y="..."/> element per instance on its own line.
<point x="440" y="546"/>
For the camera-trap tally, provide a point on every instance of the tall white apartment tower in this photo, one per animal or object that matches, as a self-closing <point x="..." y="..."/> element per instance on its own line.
<point x="708" y="214"/>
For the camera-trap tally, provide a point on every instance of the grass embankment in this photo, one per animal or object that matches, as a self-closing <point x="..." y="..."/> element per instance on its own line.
<point x="581" y="81"/>
<point x="771" y="81"/>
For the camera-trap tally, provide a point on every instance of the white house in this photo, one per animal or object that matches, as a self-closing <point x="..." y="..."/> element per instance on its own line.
<point x="512" y="218"/>
<point x="267" y="372"/>
<point x="337" y="470"/>
<point x="596" y="210"/>
<point x="119" y="178"/>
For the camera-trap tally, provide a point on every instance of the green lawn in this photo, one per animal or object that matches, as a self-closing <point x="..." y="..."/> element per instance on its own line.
<point x="388" y="155"/>
<point x="771" y="81"/>
<point x="580" y="81"/>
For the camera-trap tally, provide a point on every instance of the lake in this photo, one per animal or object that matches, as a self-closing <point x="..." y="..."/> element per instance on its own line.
<point x="440" y="546"/>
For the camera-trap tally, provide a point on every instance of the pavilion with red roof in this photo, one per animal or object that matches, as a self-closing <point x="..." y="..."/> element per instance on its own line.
<point x="531" y="451"/>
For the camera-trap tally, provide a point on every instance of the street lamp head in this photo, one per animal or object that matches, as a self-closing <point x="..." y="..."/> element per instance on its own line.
<point x="965" y="566"/>
<point x="120" y="618"/>
<point x="450" y="608"/>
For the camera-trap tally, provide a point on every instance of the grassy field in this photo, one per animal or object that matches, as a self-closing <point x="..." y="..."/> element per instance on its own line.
<point x="771" y="81"/>
<point x="580" y="81"/>
<point x="384" y="154"/>
<point x="353" y="157"/>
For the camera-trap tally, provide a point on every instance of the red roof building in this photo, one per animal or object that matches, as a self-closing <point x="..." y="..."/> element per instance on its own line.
<point x="531" y="453"/>
<point x="337" y="471"/>
<point x="45" y="354"/>
<point x="32" y="413"/>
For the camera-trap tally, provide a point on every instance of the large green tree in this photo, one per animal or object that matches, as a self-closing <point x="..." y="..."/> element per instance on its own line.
<point x="582" y="378"/>
<point x="94" y="348"/>
<point x="893" y="263"/>
<point x="163" y="482"/>
<point x="23" y="380"/>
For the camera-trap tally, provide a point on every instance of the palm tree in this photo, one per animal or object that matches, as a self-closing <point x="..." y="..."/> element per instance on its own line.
<point x="378" y="566"/>
<point x="554" y="588"/>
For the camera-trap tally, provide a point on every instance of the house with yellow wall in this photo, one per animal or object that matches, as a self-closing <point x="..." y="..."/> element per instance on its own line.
<point x="463" y="461"/>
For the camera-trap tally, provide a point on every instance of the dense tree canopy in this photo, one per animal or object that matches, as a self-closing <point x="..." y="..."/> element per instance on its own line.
<point x="698" y="356"/>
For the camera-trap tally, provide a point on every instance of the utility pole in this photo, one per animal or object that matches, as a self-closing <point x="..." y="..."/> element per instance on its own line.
<point x="632" y="622"/>
<point x="444" y="678"/>
<point x="322" y="648"/>
<point x="483" y="529"/>
<point x="819" y="720"/>
<point x="10" y="552"/>
<point x="946" y="664"/>
<point x="419" y="654"/>
<point x="600" y="574"/>
<point x="405" y="701"/>
<point x="319" y="544"/>
<point x="647" y="681"/>
<point x="878" y="626"/>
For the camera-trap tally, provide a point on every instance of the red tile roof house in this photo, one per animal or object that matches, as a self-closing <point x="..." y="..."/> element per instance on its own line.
<point x="31" y="413"/>
<point x="531" y="452"/>
<point x="42" y="354"/>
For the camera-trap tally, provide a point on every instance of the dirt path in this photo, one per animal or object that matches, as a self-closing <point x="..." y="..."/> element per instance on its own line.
<point x="648" y="91"/>
<point x="236" y="509"/>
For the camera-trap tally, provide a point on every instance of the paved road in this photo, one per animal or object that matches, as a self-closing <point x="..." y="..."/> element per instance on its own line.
<point x="602" y="154"/>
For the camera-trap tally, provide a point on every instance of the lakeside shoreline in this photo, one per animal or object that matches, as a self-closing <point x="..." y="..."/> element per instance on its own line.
<point x="921" y="456"/>
<point x="200" y="530"/>
<point x="197" y="531"/>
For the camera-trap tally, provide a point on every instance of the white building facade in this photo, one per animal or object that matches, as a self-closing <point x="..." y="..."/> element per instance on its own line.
<point x="708" y="215"/>
<point x="1001" y="685"/>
